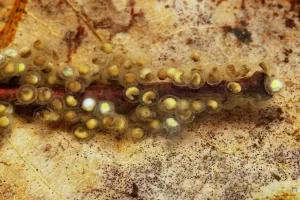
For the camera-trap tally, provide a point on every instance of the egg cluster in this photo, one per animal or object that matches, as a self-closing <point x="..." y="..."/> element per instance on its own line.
<point x="6" y="110"/>
<point x="88" y="97"/>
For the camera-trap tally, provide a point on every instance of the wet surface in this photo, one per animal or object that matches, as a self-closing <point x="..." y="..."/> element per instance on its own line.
<point x="246" y="153"/>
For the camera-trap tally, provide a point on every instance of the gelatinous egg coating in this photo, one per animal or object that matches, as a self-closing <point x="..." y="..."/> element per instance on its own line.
<point x="4" y="121"/>
<point x="81" y="133"/>
<point x="119" y="90"/>
<point x="88" y="104"/>
<point x="3" y="60"/>
<point x="26" y="94"/>
<point x="44" y="95"/>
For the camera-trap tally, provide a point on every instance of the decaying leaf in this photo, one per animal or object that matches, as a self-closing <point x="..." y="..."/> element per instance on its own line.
<point x="246" y="153"/>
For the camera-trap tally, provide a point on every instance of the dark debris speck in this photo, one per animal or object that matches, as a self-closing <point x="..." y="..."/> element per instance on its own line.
<point x="289" y="23"/>
<point x="241" y="33"/>
<point x="135" y="191"/>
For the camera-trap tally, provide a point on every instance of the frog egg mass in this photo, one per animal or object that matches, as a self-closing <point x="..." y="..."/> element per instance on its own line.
<point x="123" y="93"/>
